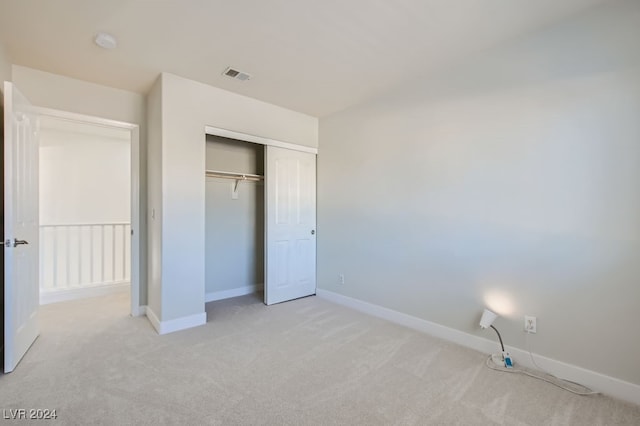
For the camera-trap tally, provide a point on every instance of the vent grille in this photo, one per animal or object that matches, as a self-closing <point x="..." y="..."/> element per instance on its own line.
<point x="238" y="75"/>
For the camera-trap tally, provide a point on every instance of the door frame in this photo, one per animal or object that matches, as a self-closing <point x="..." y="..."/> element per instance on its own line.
<point x="230" y="134"/>
<point x="134" y="132"/>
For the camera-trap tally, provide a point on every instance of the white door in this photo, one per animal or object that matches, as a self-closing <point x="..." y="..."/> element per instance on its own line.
<point x="21" y="288"/>
<point x="290" y="225"/>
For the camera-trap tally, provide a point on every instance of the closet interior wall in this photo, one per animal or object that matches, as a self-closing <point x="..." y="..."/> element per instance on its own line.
<point x="234" y="240"/>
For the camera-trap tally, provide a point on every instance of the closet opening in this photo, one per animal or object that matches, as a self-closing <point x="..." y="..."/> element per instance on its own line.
<point x="234" y="218"/>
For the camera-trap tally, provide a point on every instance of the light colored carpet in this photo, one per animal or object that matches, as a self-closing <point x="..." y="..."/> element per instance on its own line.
<point x="304" y="362"/>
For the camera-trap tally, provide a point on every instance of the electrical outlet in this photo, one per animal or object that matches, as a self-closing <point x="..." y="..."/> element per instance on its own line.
<point x="530" y="325"/>
<point x="341" y="278"/>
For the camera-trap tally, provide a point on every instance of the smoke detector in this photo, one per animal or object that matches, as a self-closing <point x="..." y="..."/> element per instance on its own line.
<point x="106" y="41"/>
<point x="238" y="75"/>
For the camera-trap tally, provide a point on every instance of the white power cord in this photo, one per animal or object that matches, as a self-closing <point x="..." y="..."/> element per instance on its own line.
<point x="526" y="343"/>
<point x="497" y="364"/>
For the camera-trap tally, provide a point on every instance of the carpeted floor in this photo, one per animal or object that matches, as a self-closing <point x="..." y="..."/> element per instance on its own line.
<point x="304" y="362"/>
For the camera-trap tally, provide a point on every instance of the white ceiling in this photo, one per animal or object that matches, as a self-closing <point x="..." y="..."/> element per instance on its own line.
<point x="316" y="56"/>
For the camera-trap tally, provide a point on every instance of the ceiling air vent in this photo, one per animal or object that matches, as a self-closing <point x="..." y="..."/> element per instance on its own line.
<point x="238" y="75"/>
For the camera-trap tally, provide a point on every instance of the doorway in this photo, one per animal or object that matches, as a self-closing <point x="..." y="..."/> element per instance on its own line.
<point x="89" y="206"/>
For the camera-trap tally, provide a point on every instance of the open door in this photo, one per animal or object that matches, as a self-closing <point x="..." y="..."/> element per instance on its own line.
<point x="21" y="231"/>
<point x="290" y="225"/>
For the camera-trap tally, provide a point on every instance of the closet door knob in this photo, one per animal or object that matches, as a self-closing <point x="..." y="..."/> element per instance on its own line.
<point x="313" y="232"/>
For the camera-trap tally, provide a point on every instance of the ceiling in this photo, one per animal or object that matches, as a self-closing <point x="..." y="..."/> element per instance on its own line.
<point x="315" y="57"/>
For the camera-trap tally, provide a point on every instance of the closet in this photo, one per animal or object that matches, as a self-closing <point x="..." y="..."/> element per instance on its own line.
<point x="260" y="214"/>
<point x="234" y="218"/>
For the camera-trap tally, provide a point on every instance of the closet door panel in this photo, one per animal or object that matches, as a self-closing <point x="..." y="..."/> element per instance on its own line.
<point x="281" y="269"/>
<point x="282" y="196"/>
<point x="290" y="225"/>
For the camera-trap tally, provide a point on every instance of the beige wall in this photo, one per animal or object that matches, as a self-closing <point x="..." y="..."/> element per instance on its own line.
<point x="187" y="107"/>
<point x="85" y="174"/>
<point x="68" y="94"/>
<point x="49" y="90"/>
<point x="154" y="197"/>
<point x="5" y="67"/>
<point x="514" y="176"/>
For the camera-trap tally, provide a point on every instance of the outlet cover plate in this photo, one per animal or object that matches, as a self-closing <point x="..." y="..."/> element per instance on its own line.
<point x="530" y="324"/>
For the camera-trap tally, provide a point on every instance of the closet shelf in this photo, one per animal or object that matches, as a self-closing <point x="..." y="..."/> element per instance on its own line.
<point x="238" y="177"/>
<point x="233" y="175"/>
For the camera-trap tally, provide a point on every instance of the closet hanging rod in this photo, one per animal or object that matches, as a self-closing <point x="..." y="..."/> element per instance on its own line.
<point x="233" y="175"/>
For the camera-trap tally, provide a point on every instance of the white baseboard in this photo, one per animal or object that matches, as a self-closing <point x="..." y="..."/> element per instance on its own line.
<point x="170" y="326"/>
<point x="596" y="381"/>
<point x="234" y="292"/>
<point x="63" y="295"/>
<point x="153" y="319"/>
<point x="139" y="311"/>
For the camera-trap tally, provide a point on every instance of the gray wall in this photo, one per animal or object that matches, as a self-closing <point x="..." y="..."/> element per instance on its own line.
<point x="511" y="180"/>
<point x="234" y="242"/>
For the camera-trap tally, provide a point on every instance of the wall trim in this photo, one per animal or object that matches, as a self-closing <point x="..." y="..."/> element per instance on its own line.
<point x="170" y="326"/>
<point x="83" y="118"/>
<point x="234" y="292"/>
<point x="63" y="295"/>
<point x="140" y="311"/>
<point x="153" y="319"/>
<point x="599" y="382"/>
<point x="225" y="133"/>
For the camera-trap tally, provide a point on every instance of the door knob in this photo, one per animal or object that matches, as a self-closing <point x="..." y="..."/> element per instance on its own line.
<point x="17" y="242"/>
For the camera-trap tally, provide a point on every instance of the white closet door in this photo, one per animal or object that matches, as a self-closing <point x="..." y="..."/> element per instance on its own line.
<point x="290" y="225"/>
<point x="21" y="227"/>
